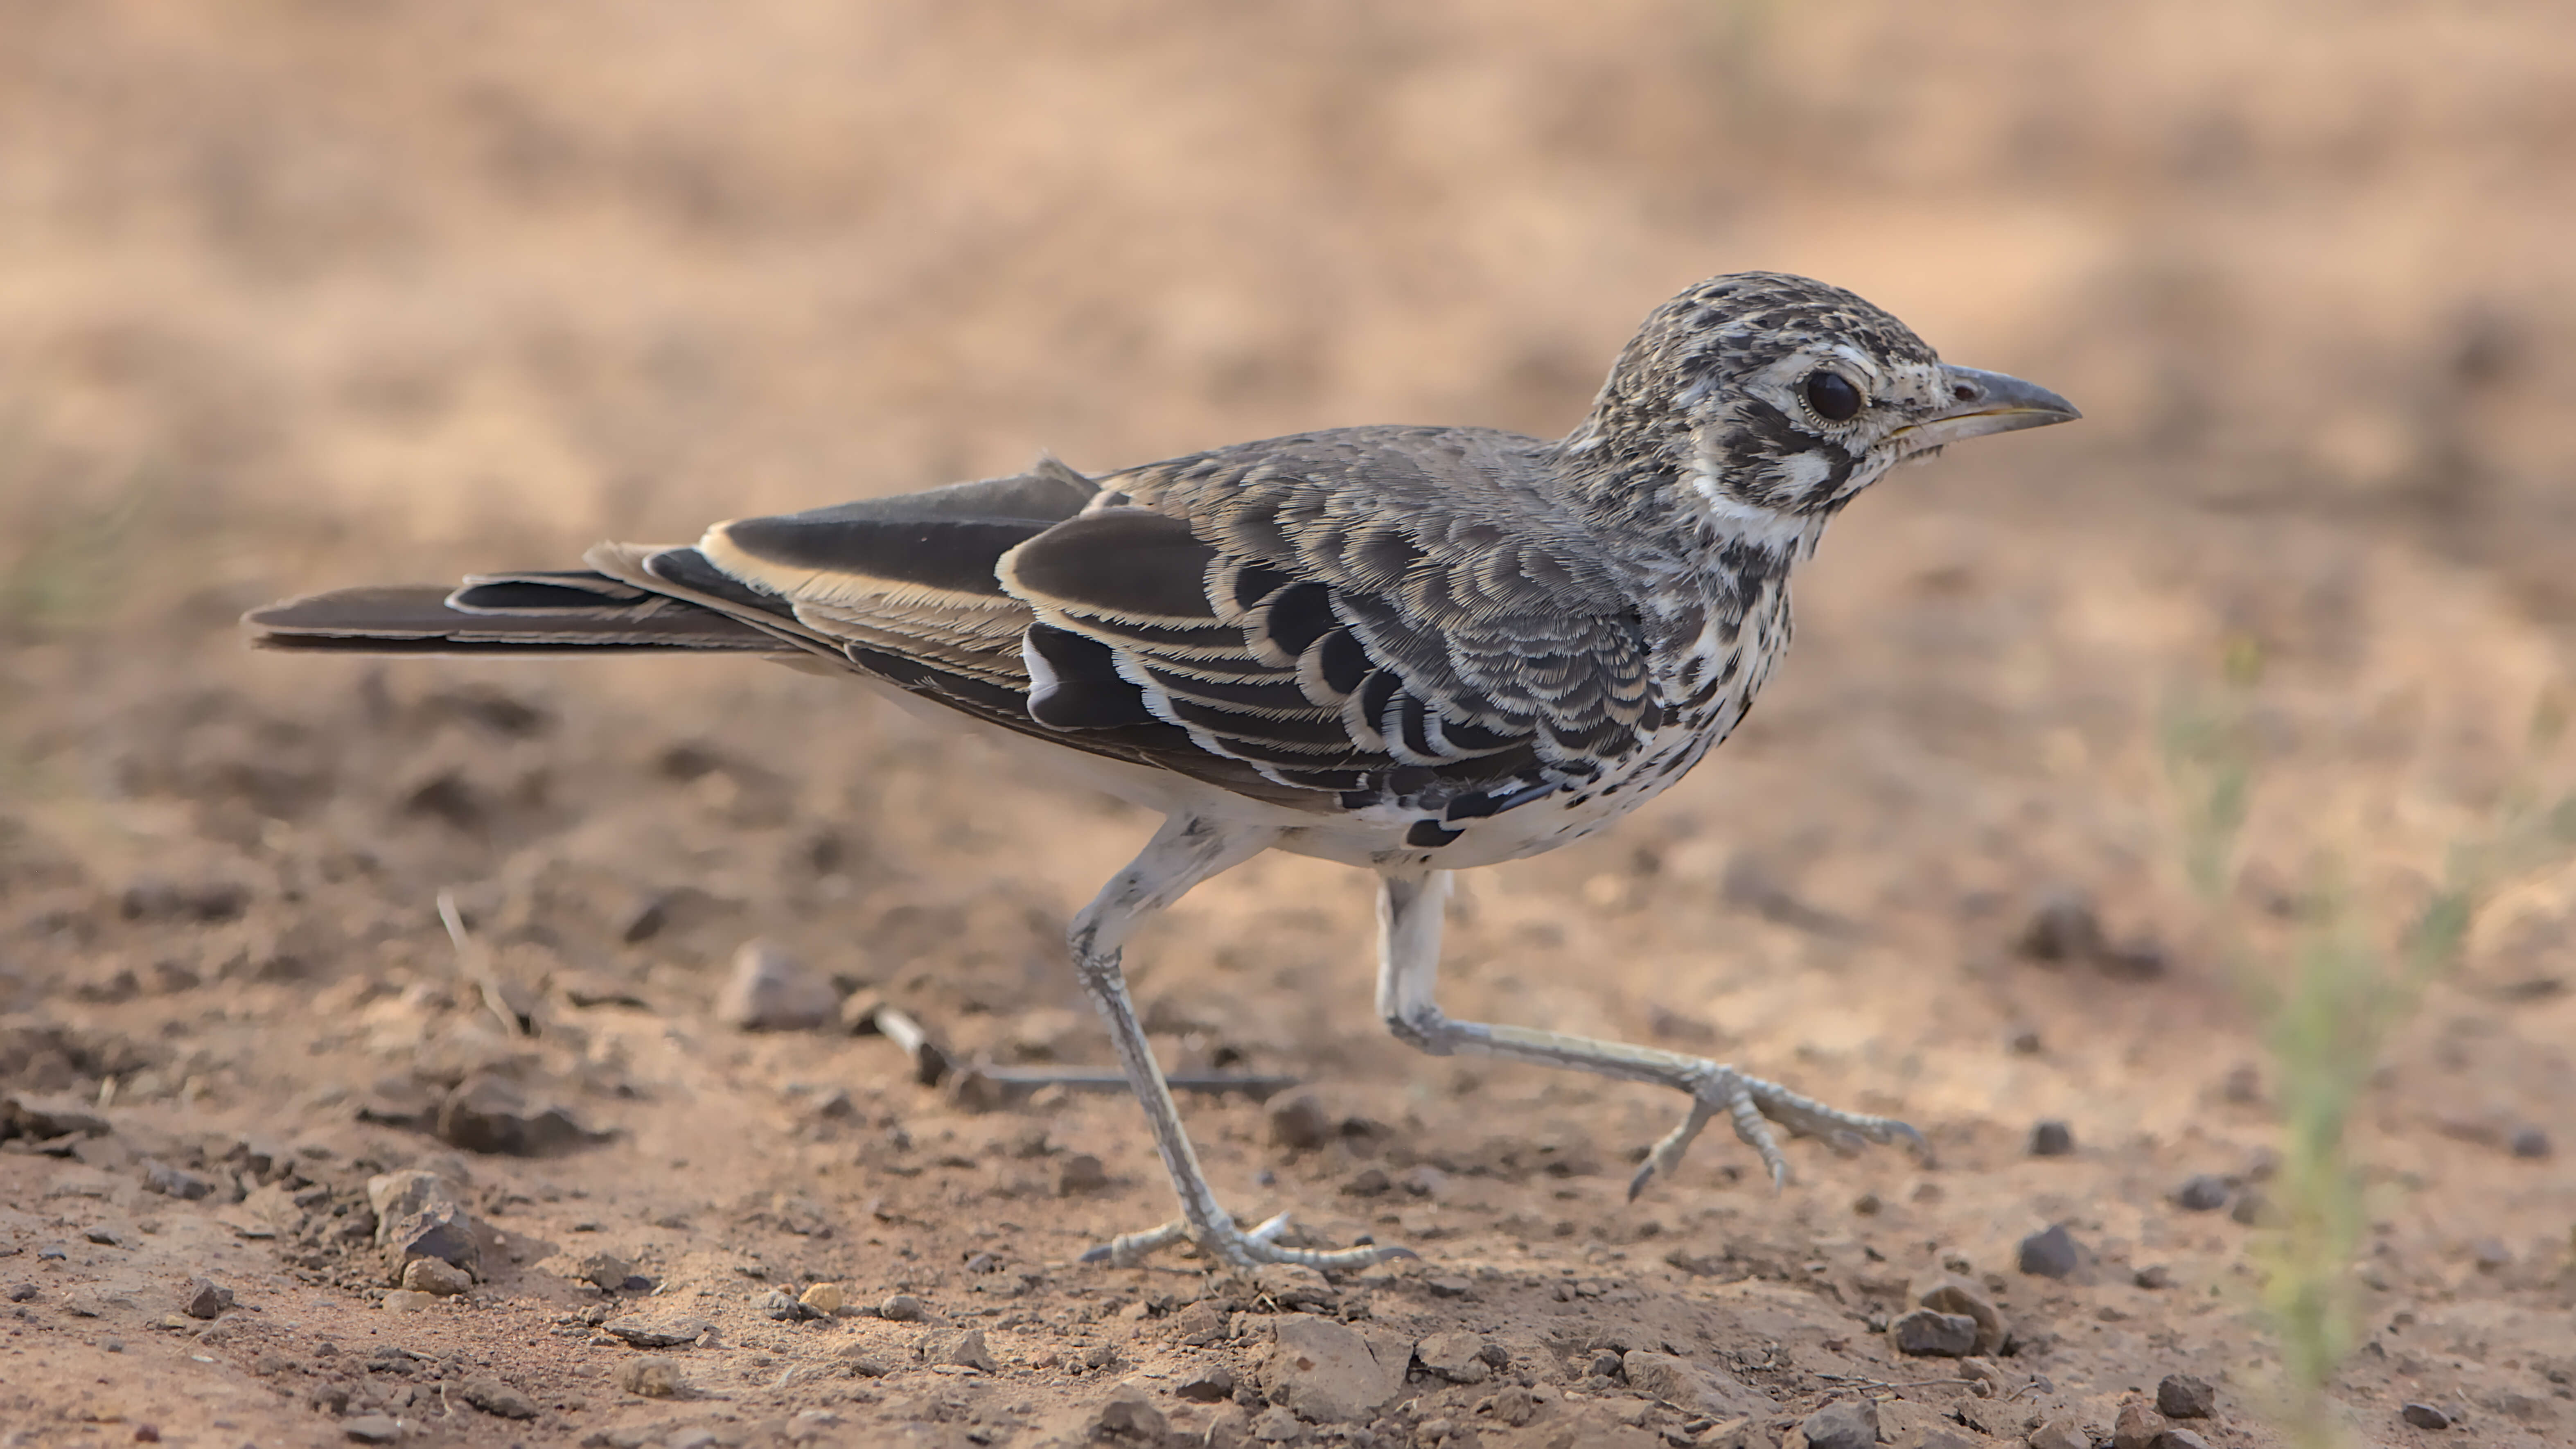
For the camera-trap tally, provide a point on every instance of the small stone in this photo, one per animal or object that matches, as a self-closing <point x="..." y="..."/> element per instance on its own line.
<point x="147" y="1433"/>
<point x="2181" y="1396"/>
<point x="1449" y="1287"/>
<point x="1953" y="1294"/>
<point x="2059" y="1434"/>
<point x="1455" y="1356"/>
<point x="2243" y="1084"/>
<point x="2424" y="1416"/>
<point x="605" y="1271"/>
<point x="1129" y="1417"/>
<point x="429" y="1275"/>
<point x="1079" y="1174"/>
<point x="822" y="1299"/>
<point x="2142" y="959"/>
<point x="964" y="1348"/>
<point x="1324" y="1372"/>
<point x="205" y="1299"/>
<point x="1369" y="1182"/>
<point x="776" y="1304"/>
<point x="769" y="991"/>
<point x="1842" y="1424"/>
<point x="2530" y="1142"/>
<point x="1701" y="1386"/>
<point x="498" y="1399"/>
<point x="2203" y="1193"/>
<point x="2062" y="928"/>
<point x="488" y="1113"/>
<point x="1200" y="1324"/>
<point x="1294" y="1285"/>
<point x="1279" y="1426"/>
<point x="23" y="1292"/>
<point x="1212" y="1384"/>
<point x="900" y="1308"/>
<point x="1924" y="1333"/>
<point x="170" y="1181"/>
<point x="407" y="1300"/>
<point x="2052" y="1139"/>
<point x="2491" y="1255"/>
<point x="655" y="1377"/>
<point x="2153" y="1276"/>
<point x="1298" y="1122"/>
<point x="2136" y="1427"/>
<point x="641" y="1332"/>
<point x="104" y="1236"/>
<point x="371" y="1429"/>
<point x="2178" y="1439"/>
<point x="2051" y="1253"/>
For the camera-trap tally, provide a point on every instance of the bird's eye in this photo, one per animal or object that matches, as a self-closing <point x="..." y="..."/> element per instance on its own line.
<point x="1832" y="395"/>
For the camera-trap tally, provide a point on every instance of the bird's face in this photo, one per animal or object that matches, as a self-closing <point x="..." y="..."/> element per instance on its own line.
<point x="1794" y="396"/>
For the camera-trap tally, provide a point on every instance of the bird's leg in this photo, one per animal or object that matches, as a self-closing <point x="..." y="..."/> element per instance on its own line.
<point x="1183" y="853"/>
<point x="1409" y="915"/>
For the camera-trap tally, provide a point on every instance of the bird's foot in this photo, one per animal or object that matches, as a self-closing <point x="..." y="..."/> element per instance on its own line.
<point x="1240" y="1249"/>
<point x="1753" y="1105"/>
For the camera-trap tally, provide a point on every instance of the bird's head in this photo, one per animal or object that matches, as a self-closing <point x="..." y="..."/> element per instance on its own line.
<point x="1770" y="400"/>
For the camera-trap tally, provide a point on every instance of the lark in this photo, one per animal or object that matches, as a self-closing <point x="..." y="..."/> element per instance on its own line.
<point x="1410" y="649"/>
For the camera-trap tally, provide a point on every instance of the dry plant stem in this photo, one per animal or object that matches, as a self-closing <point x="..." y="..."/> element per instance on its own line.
<point x="476" y="963"/>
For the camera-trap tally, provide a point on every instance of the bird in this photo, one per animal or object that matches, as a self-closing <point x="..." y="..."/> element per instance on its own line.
<point x="1413" y="650"/>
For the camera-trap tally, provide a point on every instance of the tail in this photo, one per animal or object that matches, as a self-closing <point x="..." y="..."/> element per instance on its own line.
<point x="572" y="612"/>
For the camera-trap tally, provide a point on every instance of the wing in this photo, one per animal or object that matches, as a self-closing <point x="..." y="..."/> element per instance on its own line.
<point x="1398" y="617"/>
<point x="1356" y="620"/>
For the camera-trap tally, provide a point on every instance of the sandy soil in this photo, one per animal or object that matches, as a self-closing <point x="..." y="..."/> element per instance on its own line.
<point x="299" y="295"/>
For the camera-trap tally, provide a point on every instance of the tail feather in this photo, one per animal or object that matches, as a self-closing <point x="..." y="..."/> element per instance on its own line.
<point x="533" y="613"/>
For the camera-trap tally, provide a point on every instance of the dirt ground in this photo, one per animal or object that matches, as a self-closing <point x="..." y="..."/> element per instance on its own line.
<point x="294" y="295"/>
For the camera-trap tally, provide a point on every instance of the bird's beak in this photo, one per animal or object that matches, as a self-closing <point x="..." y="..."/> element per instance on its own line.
<point x="1982" y="403"/>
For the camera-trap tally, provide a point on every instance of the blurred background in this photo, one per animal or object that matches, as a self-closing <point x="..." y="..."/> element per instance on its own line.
<point x="303" y="293"/>
<point x="574" y="269"/>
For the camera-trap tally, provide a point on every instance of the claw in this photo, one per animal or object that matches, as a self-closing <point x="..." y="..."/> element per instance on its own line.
<point x="1752" y="1106"/>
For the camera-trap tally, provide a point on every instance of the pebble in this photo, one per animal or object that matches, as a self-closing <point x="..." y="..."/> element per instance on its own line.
<point x="966" y="1349"/>
<point x="900" y="1308"/>
<point x="1958" y="1295"/>
<point x="2052" y="1139"/>
<point x="1129" y="1417"/>
<point x="38" y="1117"/>
<point x="1325" y="1373"/>
<point x="418" y="1215"/>
<point x="653" y="1378"/>
<point x="1294" y="1285"/>
<point x="824" y="1299"/>
<point x="432" y="1276"/>
<point x="2181" y="1396"/>
<point x="2530" y="1142"/>
<point x="2051" y="1253"/>
<point x="2136" y="1427"/>
<point x="371" y="1429"/>
<point x="1210" y="1385"/>
<point x="487" y="1113"/>
<point x="161" y="1177"/>
<point x="1298" y="1122"/>
<point x="640" y="1332"/>
<point x="2179" y="1439"/>
<point x="2061" y="928"/>
<point x="1925" y="1333"/>
<point x="1080" y="1173"/>
<point x="205" y="1298"/>
<point x="776" y="1304"/>
<point x="605" y="1271"/>
<point x="2059" y="1434"/>
<point x="2491" y="1255"/>
<point x="1456" y="1356"/>
<point x="1842" y="1424"/>
<point x="2154" y="1275"/>
<point x="2202" y="1193"/>
<point x="1449" y="1287"/>
<point x="498" y="1399"/>
<point x="769" y="991"/>
<point x="1703" y="1386"/>
<point x="23" y="1292"/>
<point x="2424" y="1416"/>
<point x="407" y="1300"/>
